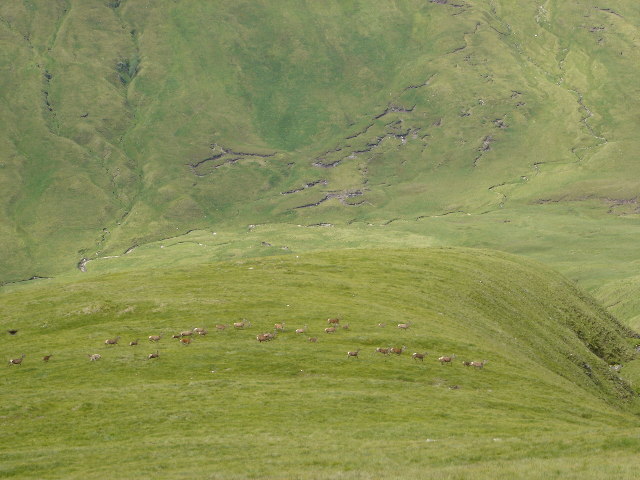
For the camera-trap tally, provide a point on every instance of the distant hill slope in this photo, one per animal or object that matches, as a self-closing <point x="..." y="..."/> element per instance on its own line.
<point x="125" y="122"/>
<point x="545" y="397"/>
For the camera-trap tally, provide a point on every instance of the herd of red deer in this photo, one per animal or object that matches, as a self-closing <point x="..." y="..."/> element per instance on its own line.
<point x="185" y="337"/>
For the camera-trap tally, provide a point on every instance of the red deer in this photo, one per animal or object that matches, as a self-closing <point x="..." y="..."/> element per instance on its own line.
<point x="46" y="358"/>
<point x="154" y="338"/>
<point x="264" y="337"/>
<point x="403" y="326"/>
<point x="94" y="357"/>
<point x="448" y="360"/>
<point x="353" y="354"/>
<point x="134" y="343"/>
<point x="330" y="330"/>
<point x="477" y="364"/>
<point x="346" y="326"/>
<point x="333" y="321"/>
<point x="177" y="335"/>
<point x="242" y="324"/>
<point x="220" y="326"/>
<point x="301" y="330"/>
<point x="419" y="356"/>
<point x="279" y="327"/>
<point x="384" y="351"/>
<point x="199" y="330"/>
<point x="313" y="339"/>
<point x="397" y="350"/>
<point x="185" y="340"/>
<point x="16" y="361"/>
<point x="382" y="325"/>
<point x="202" y="332"/>
<point x="111" y="341"/>
<point x="154" y="355"/>
<point x="186" y="333"/>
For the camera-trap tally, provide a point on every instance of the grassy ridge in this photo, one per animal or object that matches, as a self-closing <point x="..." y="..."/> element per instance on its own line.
<point x="305" y="410"/>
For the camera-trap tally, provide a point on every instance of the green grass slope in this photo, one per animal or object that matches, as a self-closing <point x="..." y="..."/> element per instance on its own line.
<point x="546" y="405"/>
<point x="128" y="122"/>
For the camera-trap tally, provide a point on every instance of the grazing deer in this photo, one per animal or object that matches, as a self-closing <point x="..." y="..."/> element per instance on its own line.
<point x="419" y="356"/>
<point x="155" y="338"/>
<point x="154" y="355"/>
<point x="330" y="330"/>
<point x="353" y="354"/>
<point x="17" y="361"/>
<point x="46" y="358"/>
<point x="94" y="357"/>
<point x="111" y="341"/>
<point x="448" y="360"/>
<point x="333" y="321"/>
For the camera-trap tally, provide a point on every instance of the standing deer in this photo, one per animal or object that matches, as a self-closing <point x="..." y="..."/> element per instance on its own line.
<point x="16" y="361"/>
<point x="448" y="360"/>
<point x="419" y="356"/>
<point x="353" y="354"/>
<point x="111" y="341"/>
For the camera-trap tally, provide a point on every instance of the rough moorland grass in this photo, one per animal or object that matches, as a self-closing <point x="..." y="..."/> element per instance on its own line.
<point x="229" y="407"/>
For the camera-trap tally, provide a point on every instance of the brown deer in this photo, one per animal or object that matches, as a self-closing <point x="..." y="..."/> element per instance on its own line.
<point x="264" y="337"/>
<point x="220" y="326"/>
<point x="383" y="351"/>
<point x="155" y="338"/>
<point x="397" y="350"/>
<point x="95" y="357"/>
<point x="447" y="359"/>
<point x="17" y="361"/>
<point x="330" y="330"/>
<point x="479" y="365"/>
<point x="333" y="321"/>
<point x="301" y="330"/>
<point x="134" y="343"/>
<point x="111" y="341"/>
<point x="353" y="354"/>
<point x="242" y="324"/>
<point x="279" y="327"/>
<point x="185" y="340"/>
<point x="419" y="356"/>
<point x="313" y="339"/>
<point x="154" y="355"/>
<point x="404" y="326"/>
<point x="46" y="358"/>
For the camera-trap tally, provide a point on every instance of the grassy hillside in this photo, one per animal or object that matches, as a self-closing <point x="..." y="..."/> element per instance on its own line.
<point x="128" y="122"/>
<point x="227" y="406"/>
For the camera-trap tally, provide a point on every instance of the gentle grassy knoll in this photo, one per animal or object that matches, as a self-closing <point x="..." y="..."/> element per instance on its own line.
<point x="546" y="405"/>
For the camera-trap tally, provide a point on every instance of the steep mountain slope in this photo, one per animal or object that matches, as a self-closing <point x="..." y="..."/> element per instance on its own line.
<point x="127" y="122"/>
<point x="232" y="407"/>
